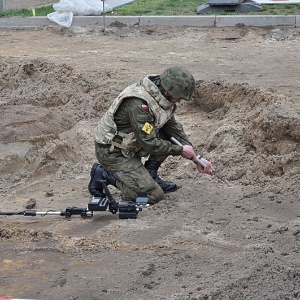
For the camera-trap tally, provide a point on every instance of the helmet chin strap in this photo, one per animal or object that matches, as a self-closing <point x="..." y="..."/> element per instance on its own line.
<point x="163" y="91"/>
<point x="168" y="96"/>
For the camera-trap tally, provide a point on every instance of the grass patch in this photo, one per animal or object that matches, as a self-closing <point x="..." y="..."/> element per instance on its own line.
<point x="159" y="7"/>
<point x="39" y="12"/>
<point x="189" y="7"/>
<point x="164" y="8"/>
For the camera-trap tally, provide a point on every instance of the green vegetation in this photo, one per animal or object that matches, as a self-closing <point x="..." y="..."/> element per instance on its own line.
<point x="189" y="7"/>
<point x="160" y="7"/>
<point x="39" y="12"/>
<point x="164" y="8"/>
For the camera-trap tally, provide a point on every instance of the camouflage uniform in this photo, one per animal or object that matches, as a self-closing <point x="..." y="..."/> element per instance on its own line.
<point x="139" y="123"/>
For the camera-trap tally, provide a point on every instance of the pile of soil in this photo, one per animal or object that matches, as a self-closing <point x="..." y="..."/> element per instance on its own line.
<point x="233" y="235"/>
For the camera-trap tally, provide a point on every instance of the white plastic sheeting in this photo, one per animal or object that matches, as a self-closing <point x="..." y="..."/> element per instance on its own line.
<point x="66" y="9"/>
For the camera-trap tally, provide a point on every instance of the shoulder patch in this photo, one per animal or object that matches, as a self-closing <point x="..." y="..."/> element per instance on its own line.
<point x="147" y="128"/>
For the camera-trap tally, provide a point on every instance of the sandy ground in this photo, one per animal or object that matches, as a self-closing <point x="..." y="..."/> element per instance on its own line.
<point x="234" y="235"/>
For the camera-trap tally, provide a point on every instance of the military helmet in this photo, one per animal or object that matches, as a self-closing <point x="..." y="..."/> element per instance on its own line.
<point x="178" y="82"/>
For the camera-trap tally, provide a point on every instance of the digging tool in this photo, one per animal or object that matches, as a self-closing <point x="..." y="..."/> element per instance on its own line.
<point x="201" y="163"/>
<point x="199" y="160"/>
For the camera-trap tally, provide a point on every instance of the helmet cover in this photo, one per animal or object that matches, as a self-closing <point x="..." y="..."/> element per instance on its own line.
<point x="178" y="82"/>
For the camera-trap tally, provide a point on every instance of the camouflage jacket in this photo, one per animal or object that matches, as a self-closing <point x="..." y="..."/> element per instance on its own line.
<point x="134" y="119"/>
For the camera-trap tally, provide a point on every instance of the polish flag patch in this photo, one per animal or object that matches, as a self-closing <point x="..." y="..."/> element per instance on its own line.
<point x="145" y="107"/>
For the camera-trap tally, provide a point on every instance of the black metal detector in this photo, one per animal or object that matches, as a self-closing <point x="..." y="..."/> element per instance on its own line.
<point x="128" y="210"/>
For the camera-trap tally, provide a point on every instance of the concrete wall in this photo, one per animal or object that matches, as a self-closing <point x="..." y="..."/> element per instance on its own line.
<point x="297" y="21"/>
<point x="196" y="21"/>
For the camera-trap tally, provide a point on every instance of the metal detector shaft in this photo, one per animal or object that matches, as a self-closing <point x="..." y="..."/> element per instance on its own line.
<point x="128" y="210"/>
<point x="31" y="213"/>
<point x="83" y="212"/>
<point x="199" y="159"/>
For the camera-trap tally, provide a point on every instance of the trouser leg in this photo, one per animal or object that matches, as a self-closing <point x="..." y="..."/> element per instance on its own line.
<point x="128" y="175"/>
<point x="152" y="165"/>
<point x="134" y="179"/>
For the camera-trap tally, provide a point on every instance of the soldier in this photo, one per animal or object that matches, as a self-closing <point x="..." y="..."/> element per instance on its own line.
<point x="139" y="123"/>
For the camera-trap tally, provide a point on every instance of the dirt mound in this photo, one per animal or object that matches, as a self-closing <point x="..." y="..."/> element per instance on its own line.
<point x="253" y="133"/>
<point x="255" y="137"/>
<point x="41" y="104"/>
<point x="42" y="83"/>
<point x="234" y="235"/>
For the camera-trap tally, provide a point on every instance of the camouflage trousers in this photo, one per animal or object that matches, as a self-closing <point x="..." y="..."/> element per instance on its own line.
<point x="132" y="177"/>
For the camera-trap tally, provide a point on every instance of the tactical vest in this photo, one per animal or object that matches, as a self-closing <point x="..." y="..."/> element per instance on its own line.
<point x="159" y="107"/>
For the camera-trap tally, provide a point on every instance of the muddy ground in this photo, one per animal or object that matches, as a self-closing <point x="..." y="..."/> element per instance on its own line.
<point x="234" y="235"/>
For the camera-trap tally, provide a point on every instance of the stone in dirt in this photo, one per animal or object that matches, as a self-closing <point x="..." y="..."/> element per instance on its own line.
<point x="30" y="203"/>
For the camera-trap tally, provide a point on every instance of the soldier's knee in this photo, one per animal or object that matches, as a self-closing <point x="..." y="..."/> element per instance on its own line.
<point x="156" y="195"/>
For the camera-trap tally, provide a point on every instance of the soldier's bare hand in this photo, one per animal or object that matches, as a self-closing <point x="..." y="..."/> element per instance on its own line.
<point x="209" y="169"/>
<point x="188" y="152"/>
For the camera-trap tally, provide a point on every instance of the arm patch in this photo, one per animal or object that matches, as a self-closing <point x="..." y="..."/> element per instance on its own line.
<point x="147" y="128"/>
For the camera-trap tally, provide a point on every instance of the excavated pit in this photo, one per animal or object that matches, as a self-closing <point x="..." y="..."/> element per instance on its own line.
<point x="49" y="110"/>
<point x="234" y="235"/>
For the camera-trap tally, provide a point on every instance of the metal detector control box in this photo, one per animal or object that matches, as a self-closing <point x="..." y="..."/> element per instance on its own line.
<point x="98" y="204"/>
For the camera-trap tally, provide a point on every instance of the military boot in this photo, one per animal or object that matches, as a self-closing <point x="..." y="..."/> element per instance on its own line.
<point x="98" y="174"/>
<point x="167" y="186"/>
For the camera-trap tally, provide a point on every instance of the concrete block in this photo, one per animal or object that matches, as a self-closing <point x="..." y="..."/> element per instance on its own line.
<point x="246" y="6"/>
<point x="196" y="21"/>
<point x="227" y="21"/>
<point x="118" y="21"/>
<point x="224" y="2"/>
<point x="121" y="21"/>
<point x="297" y="21"/>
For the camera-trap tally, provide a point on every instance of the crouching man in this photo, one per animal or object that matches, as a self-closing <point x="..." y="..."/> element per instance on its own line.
<point x="139" y="123"/>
